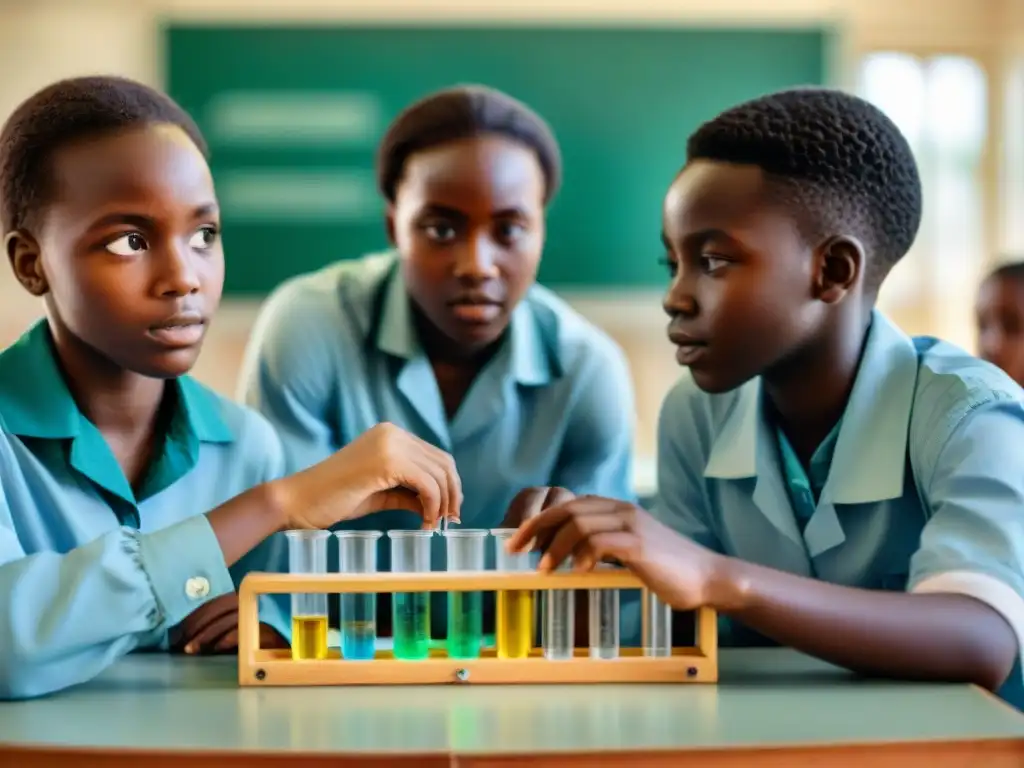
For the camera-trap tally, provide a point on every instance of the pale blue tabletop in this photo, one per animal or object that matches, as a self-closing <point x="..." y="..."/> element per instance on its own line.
<point x="765" y="698"/>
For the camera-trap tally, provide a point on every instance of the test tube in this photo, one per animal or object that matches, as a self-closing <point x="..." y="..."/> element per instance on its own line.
<point x="559" y="620"/>
<point x="410" y="611"/>
<point x="465" y="552"/>
<point x="604" y="622"/>
<point x="357" y="553"/>
<point x="514" y="630"/>
<point x="307" y="553"/>
<point x="657" y="626"/>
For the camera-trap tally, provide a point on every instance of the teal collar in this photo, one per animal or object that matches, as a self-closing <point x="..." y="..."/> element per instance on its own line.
<point x="36" y="403"/>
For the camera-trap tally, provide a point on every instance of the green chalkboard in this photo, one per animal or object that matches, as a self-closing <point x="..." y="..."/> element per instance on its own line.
<point x="293" y="115"/>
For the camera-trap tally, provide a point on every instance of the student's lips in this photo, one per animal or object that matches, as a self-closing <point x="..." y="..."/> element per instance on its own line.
<point x="185" y="331"/>
<point x="476" y="312"/>
<point x="688" y="349"/>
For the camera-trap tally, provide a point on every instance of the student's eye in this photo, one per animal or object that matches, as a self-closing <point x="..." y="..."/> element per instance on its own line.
<point x="510" y="231"/>
<point x="131" y="244"/>
<point x="440" y="231"/>
<point x="204" y="239"/>
<point x="711" y="263"/>
<point x="670" y="264"/>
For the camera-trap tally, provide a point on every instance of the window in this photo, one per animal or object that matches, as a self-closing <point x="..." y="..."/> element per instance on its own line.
<point x="941" y="105"/>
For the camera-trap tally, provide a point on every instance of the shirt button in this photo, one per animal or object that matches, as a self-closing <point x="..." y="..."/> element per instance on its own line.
<point x="197" y="588"/>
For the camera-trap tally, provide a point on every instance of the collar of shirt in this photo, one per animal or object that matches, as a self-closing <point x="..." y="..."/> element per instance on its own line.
<point x="870" y="450"/>
<point x="36" y="404"/>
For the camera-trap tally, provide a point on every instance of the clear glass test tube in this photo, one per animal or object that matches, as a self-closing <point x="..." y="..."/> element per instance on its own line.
<point x="410" y="611"/>
<point x="603" y="622"/>
<point x="465" y="551"/>
<point x="559" y="623"/>
<point x="357" y="553"/>
<point x="514" y="620"/>
<point x="657" y="626"/>
<point x="307" y="553"/>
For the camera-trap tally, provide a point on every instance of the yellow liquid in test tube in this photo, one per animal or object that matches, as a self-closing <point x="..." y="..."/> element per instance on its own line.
<point x="514" y="635"/>
<point x="309" y="637"/>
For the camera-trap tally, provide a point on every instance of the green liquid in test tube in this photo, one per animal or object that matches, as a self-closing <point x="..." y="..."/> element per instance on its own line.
<point x="465" y="552"/>
<point x="410" y="611"/>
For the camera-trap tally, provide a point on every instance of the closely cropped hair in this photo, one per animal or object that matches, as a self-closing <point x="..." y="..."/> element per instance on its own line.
<point x="460" y="113"/>
<point x="836" y="160"/>
<point x="1011" y="270"/>
<point x="63" y="113"/>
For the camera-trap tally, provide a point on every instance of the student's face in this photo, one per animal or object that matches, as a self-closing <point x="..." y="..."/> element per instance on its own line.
<point x="740" y="300"/>
<point x="1000" y="318"/>
<point x="468" y="220"/>
<point x="128" y="251"/>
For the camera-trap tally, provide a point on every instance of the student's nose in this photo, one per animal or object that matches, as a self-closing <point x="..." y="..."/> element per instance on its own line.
<point x="477" y="261"/>
<point x="679" y="298"/>
<point x="178" y="275"/>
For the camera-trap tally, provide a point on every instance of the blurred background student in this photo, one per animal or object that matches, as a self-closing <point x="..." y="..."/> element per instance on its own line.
<point x="1000" y="313"/>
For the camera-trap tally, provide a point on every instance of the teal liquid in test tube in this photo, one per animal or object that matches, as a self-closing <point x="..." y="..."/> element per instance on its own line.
<point x="410" y="611"/>
<point x="357" y="553"/>
<point x="465" y="552"/>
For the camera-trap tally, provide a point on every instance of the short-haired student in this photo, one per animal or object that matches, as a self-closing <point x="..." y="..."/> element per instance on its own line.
<point x="132" y="498"/>
<point x="824" y="480"/>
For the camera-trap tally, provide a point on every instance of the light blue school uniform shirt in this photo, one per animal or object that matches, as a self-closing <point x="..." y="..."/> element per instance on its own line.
<point x="924" y="490"/>
<point x="335" y="352"/>
<point x="89" y="569"/>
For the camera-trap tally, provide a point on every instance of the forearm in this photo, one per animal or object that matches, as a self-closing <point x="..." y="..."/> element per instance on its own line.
<point x="241" y="523"/>
<point x="895" y="634"/>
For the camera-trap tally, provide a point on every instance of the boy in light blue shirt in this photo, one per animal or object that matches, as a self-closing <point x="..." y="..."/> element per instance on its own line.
<point x="449" y="336"/>
<point x="824" y="480"/>
<point x="133" y="499"/>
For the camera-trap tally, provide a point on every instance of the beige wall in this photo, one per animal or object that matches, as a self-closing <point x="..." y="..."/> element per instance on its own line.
<point x="54" y="38"/>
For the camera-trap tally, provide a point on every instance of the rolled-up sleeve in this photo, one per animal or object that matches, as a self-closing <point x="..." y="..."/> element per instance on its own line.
<point x="972" y="479"/>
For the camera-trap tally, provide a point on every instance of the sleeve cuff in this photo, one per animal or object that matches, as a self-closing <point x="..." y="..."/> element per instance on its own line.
<point x="185" y="567"/>
<point x="996" y="594"/>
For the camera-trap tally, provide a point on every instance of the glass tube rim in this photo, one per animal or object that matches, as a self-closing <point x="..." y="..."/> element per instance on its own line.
<point x="465" y="533"/>
<point x="502" y="533"/>
<point x="418" y="533"/>
<point x="358" y="534"/>
<point x="307" y="534"/>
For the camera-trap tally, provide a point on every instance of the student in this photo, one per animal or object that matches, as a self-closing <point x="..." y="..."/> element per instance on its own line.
<point x="449" y="336"/>
<point x="825" y="480"/>
<point x="1000" y="318"/>
<point x="130" y="494"/>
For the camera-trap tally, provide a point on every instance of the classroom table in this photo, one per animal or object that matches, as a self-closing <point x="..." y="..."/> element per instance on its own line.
<point x="772" y="708"/>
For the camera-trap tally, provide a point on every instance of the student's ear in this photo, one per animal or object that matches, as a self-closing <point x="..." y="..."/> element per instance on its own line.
<point x="23" y="253"/>
<point x="840" y="267"/>
<point x="389" y="222"/>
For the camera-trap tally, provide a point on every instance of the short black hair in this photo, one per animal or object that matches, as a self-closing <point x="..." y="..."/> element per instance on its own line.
<point x="841" y="163"/>
<point x="463" y="112"/>
<point x="1011" y="270"/>
<point x="65" y="112"/>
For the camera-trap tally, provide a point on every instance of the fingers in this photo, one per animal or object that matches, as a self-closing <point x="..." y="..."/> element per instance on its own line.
<point x="576" y="534"/>
<point x="426" y="470"/>
<point x="555" y="497"/>
<point x="229" y="642"/>
<point x="544" y="526"/>
<point x="209" y="612"/>
<point x="206" y="638"/>
<point x="622" y="545"/>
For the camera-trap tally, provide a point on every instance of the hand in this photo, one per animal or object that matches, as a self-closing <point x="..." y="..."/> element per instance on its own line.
<point x="384" y="468"/>
<point x="530" y="502"/>
<point x="592" y="529"/>
<point x="213" y="628"/>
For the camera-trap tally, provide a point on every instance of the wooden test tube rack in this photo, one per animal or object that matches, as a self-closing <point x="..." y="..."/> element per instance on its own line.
<point x="265" y="667"/>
